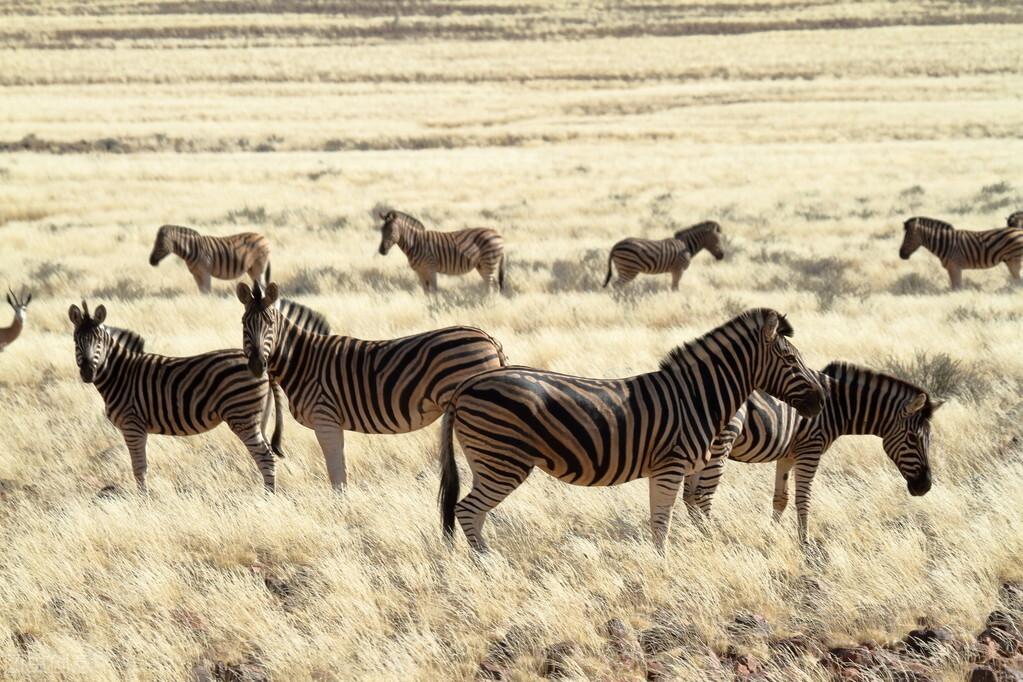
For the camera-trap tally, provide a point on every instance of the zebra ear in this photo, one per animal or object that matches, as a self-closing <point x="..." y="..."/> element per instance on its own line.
<point x="244" y="293"/>
<point x="100" y="314"/>
<point x="74" y="313"/>
<point x="935" y="404"/>
<point x="915" y="404"/>
<point x="271" y="294"/>
<point x="771" y="327"/>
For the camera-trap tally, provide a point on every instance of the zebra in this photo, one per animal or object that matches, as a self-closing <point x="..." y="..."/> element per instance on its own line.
<point x="1014" y="219"/>
<point x="10" y="334"/>
<point x="633" y="255"/>
<point x="304" y="316"/>
<point x="220" y="257"/>
<point x="337" y="383"/>
<point x="961" y="250"/>
<point x="449" y="253"/>
<point x="858" y="401"/>
<point x="154" y="394"/>
<point x="600" y="432"/>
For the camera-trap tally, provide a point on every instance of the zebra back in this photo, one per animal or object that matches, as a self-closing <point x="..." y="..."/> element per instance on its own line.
<point x="928" y="223"/>
<point x="304" y="316"/>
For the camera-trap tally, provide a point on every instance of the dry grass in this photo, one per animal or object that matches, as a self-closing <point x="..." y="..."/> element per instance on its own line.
<point x="809" y="146"/>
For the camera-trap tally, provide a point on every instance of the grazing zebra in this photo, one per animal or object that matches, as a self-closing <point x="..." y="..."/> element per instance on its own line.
<point x="304" y="316"/>
<point x="858" y="401"/>
<point x="599" y="432"/>
<point x="961" y="250"/>
<point x="449" y="253"/>
<point x="9" y="334"/>
<point x="336" y="383"/>
<point x="220" y="257"/>
<point x="633" y="255"/>
<point x="146" y="393"/>
<point x="1014" y="219"/>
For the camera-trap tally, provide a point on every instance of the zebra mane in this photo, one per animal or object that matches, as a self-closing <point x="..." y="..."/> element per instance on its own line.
<point x="923" y="221"/>
<point x="681" y="354"/>
<point x="864" y="376"/>
<point x="698" y="228"/>
<point x="405" y="220"/>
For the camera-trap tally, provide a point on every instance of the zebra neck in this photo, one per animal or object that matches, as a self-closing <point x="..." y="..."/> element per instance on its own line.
<point x="694" y="244"/>
<point x="407" y="239"/>
<point x="940" y="242"/>
<point x="187" y="246"/>
<point x="852" y="409"/>
<point x="289" y="359"/>
<point x="108" y="377"/>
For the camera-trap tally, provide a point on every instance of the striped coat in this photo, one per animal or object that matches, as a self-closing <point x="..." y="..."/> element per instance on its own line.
<point x="961" y="250"/>
<point x="208" y="257"/>
<point x="858" y="401"/>
<point x="304" y="316"/>
<point x="449" y="253"/>
<point x="599" y="432"/>
<point x="152" y="394"/>
<point x="337" y="383"/>
<point x="632" y="255"/>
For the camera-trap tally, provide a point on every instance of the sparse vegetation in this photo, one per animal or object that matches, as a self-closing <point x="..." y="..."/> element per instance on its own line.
<point x="568" y="126"/>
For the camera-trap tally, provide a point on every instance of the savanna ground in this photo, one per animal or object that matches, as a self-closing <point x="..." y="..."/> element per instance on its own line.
<point x="809" y="130"/>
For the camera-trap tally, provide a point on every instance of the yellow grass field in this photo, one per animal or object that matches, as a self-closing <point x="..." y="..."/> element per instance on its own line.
<point x="810" y="130"/>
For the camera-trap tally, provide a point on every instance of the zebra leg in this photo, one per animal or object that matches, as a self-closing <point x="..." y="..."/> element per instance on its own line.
<point x="663" y="491"/>
<point x="490" y="486"/>
<point x="955" y="276"/>
<point x="135" y="438"/>
<point x="707" y="485"/>
<point x="433" y="281"/>
<point x="1014" y="264"/>
<point x="331" y="438"/>
<point x="781" y="486"/>
<point x="250" y="434"/>
<point x="676" y="275"/>
<point x="202" y="277"/>
<point x="805" y="471"/>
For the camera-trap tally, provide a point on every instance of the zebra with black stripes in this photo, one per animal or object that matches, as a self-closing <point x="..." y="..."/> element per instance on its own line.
<point x="430" y="252"/>
<point x="633" y="255"/>
<point x="338" y="383"/>
<point x="154" y="394"/>
<point x="961" y="250"/>
<point x="207" y="256"/>
<point x="858" y="401"/>
<point x="1014" y="219"/>
<point x="304" y="316"/>
<point x="600" y="432"/>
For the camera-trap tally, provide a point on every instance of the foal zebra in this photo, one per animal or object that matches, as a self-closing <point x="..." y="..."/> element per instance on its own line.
<point x="858" y="401"/>
<point x="153" y="394"/>
<point x="961" y="250"/>
<point x="220" y="257"/>
<point x="633" y="255"/>
<point x="9" y="334"/>
<point x="449" y="253"/>
<point x="304" y="316"/>
<point x="600" y="432"/>
<point x="336" y="383"/>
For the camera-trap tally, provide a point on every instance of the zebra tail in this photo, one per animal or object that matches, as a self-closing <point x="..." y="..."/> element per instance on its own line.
<point x="275" y="440"/>
<point x="449" y="483"/>
<point x="608" y="278"/>
<point x="500" y="273"/>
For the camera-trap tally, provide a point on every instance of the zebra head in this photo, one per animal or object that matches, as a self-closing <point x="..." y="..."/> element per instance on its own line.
<point x="783" y="374"/>
<point x="162" y="247"/>
<point x="908" y="441"/>
<point x="20" y="305"/>
<point x="260" y="324"/>
<point x="705" y="235"/>
<point x="1014" y="219"/>
<point x="388" y="231"/>
<point x="92" y="342"/>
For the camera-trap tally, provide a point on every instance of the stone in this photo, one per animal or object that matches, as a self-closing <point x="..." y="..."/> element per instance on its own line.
<point x="661" y="638"/>
<point x="750" y="625"/>
<point x="925" y="641"/>
<point x="557" y="660"/>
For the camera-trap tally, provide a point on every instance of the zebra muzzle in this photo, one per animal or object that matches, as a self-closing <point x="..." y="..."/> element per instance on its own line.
<point x="920" y="485"/>
<point x="257" y="366"/>
<point x="87" y="373"/>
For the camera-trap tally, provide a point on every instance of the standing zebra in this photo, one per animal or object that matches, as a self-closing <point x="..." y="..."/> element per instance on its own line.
<point x="220" y="257"/>
<point x="303" y="316"/>
<point x="1014" y="219"/>
<point x="336" y="383"/>
<point x="9" y="334"/>
<point x="599" y="432"/>
<point x="961" y="250"/>
<point x="146" y="393"/>
<point x="449" y="253"/>
<point x="633" y="255"/>
<point x="858" y="401"/>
